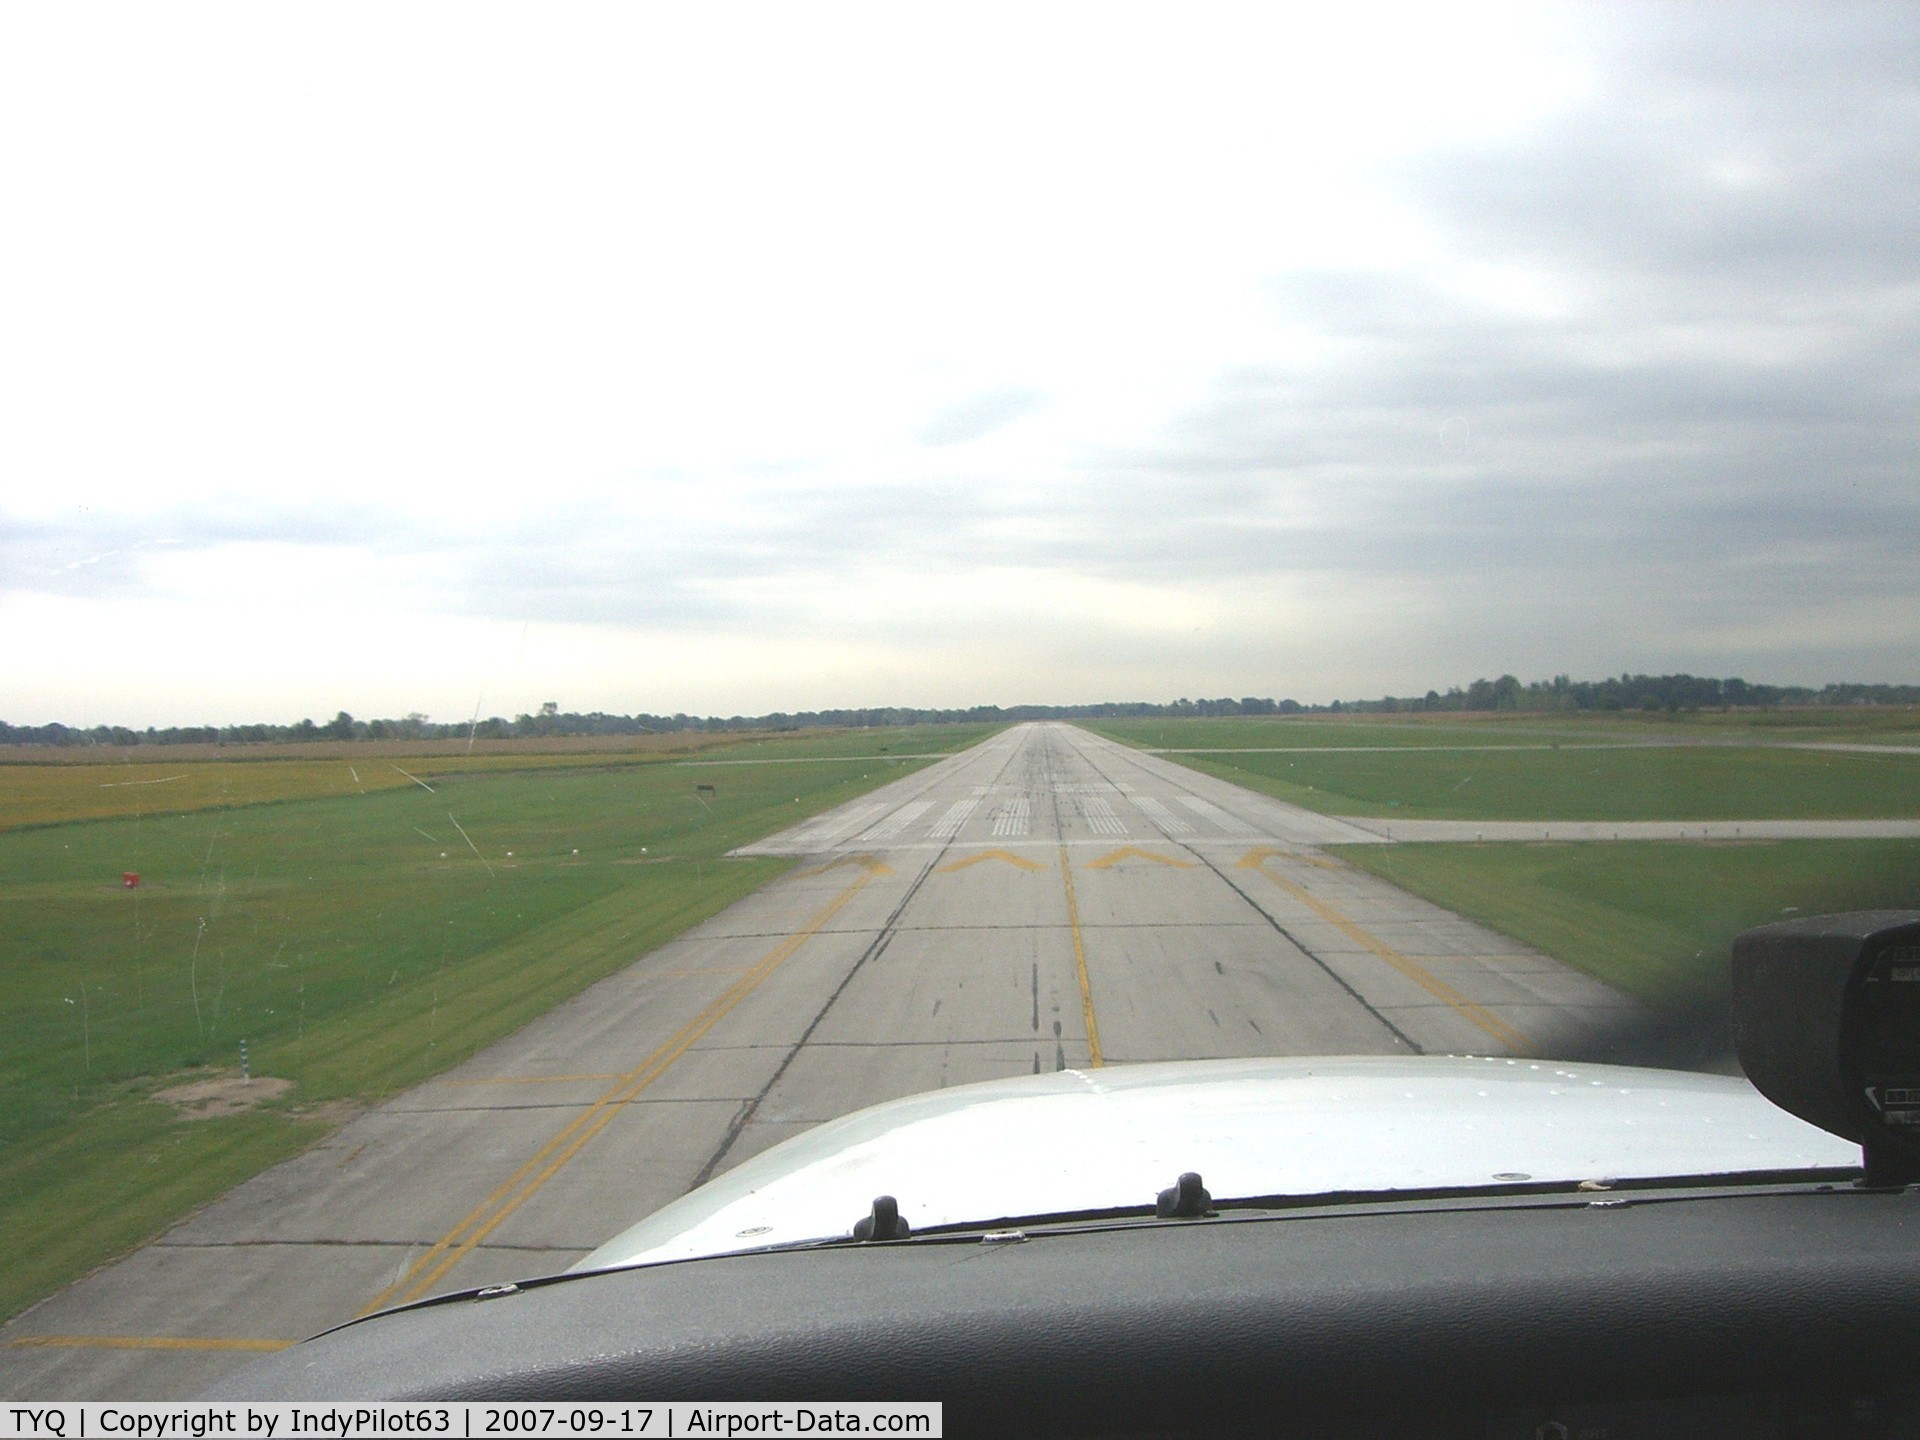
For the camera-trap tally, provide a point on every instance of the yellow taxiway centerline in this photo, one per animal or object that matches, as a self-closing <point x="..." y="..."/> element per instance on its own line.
<point x="1080" y="965"/>
<point x="1515" y="1042"/>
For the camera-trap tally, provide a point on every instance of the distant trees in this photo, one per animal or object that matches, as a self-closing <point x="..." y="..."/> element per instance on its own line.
<point x="1637" y="692"/>
<point x="1504" y="694"/>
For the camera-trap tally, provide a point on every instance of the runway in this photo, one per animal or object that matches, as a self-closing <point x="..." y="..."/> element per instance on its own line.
<point x="1046" y="900"/>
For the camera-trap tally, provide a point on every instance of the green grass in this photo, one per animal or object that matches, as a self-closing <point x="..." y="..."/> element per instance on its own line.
<point x="358" y="943"/>
<point x="1257" y="731"/>
<point x="1889" y="726"/>
<point x="52" y="794"/>
<point x="912" y="740"/>
<point x="1653" y="918"/>
<point x="52" y="788"/>
<point x="1718" y="782"/>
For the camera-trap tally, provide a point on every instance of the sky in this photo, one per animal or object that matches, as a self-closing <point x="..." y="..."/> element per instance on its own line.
<point x="737" y="358"/>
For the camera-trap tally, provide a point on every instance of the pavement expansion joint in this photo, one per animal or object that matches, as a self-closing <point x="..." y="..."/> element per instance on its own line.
<point x="327" y="1242"/>
<point x="933" y="929"/>
<point x="1160" y="926"/>
<point x="532" y="1105"/>
<point x="1023" y="1039"/>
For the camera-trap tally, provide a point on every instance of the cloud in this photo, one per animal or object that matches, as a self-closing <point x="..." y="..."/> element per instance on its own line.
<point x="979" y="416"/>
<point x="1609" y="369"/>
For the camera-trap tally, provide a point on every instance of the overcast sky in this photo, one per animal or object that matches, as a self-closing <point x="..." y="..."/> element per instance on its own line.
<point x="739" y="358"/>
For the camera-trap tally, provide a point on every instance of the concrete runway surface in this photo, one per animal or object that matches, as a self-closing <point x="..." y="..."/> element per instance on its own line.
<point x="1046" y="900"/>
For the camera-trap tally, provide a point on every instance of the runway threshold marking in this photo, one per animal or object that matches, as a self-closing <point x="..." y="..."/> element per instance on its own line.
<point x="1516" y="1042"/>
<point x="1020" y="861"/>
<point x="520" y="1186"/>
<point x="1134" y="852"/>
<point x="1080" y="965"/>
<point x="146" y="1342"/>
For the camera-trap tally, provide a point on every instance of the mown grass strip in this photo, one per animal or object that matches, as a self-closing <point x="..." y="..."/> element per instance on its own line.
<point x="61" y="794"/>
<point x="1885" y="726"/>
<point x="1670" y="783"/>
<point x="1653" y="918"/>
<point x="48" y="791"/>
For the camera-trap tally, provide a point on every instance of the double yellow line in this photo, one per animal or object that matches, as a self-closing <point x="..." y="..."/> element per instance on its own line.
<point x="519" y="1187"/>
<point x="1516" y="1043"/>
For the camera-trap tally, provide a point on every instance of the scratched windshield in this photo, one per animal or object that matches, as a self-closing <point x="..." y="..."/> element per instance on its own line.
<point x="589" y="592"/>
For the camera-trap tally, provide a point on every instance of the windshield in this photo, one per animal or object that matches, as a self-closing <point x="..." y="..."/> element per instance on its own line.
<point x="590" y="593"/>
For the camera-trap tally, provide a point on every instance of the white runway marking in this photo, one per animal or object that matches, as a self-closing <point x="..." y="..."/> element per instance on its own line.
<point x="1161" y="816"/>
<point x="948" y="825"/>
<point x="1015" y="818"/>
<point x="1100" y="816"/>
<point x="897" y="821"/>
<point x="1229" y="824"/>
<point x="830" y="825"/>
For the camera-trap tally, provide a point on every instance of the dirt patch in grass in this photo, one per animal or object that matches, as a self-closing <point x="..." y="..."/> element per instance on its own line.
<point x="222" y="1095"/>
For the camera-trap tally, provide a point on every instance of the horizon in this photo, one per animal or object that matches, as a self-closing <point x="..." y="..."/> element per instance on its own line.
<point x="1284" y="705"/>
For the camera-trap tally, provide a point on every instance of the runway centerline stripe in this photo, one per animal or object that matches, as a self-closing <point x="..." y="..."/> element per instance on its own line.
<point x="1518" y="1043"/>
<point x="1080" y="964"/>
<point x="520" y="1186"/>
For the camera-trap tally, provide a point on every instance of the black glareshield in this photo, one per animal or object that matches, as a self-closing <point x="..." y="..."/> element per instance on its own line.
<point x="1826" y="1021"/>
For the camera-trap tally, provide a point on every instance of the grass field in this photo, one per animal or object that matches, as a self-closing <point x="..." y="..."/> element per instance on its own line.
<point x="42" y="791"/>
<point x="1654" y="918"/>
<point x="55" y="794"/>
<point x="1415" y="777"/>
<point x="1876" y="726"/>
<point x="1262" y="731"/>
<point x="358" y="941"/>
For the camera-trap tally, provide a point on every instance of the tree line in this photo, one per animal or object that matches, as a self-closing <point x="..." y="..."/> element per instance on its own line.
<point x="551" y="720"/>
<point x="1631" y="692"/>
<point x="1506" y="694"/>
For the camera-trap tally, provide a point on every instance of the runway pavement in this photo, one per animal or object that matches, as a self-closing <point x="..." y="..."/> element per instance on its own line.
<point x="1045" y="900"/>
